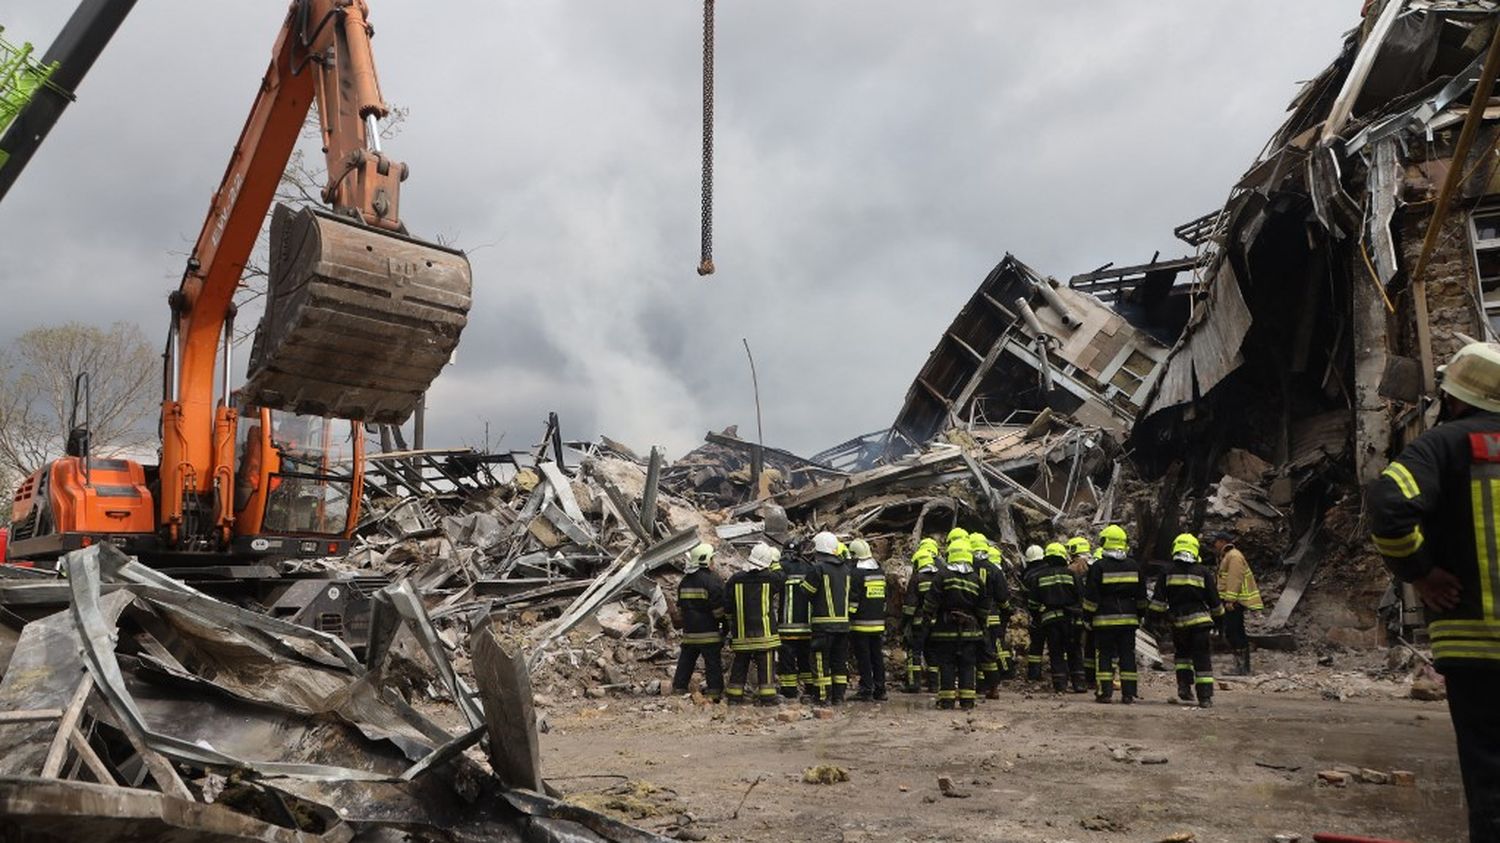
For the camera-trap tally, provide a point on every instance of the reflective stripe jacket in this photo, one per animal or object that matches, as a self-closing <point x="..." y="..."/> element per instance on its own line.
<point x="956" y="603"/>
<point x="867" y="598"/>
<point x="1114" y="593"/>
<point x="992" y="579"/>
<point x="796" y="611"/>
<point x="1237" y="581"/>
<point x="1051" y="592"/>
<point x="1435" y="507"/>
<point x="916" y="592"/>
<point x="700" y="599"/>
<point x="827" y="587"/>
<point x="750" y="602"/>
<point x="1188" y="594"/>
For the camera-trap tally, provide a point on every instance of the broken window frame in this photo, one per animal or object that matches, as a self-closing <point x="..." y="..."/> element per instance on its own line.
<point x="1488" y="299"/>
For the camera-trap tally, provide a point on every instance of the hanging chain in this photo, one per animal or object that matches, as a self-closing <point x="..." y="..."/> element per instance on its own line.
<point x="706" y="252"/>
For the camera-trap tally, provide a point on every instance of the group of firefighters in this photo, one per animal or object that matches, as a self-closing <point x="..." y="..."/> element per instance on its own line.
<point x="797" y="618"/>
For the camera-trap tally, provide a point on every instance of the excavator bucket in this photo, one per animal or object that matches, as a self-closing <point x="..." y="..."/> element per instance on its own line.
<point x="358" y="321"/>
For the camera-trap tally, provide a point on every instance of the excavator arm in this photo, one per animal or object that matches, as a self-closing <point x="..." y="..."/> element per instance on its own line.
<point x="349" y="295"/>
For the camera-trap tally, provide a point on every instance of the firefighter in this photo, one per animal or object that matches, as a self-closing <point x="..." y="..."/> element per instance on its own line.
<point x="794" y="660"/>
<point x="957" y="607"/>
<point x="867" y="621"/>
<point x="1238" y="591"/>
<point x="1114" y="598"/>
<point x="1031" y="558"/>
<point x="1433" y="519"/>
<point x="1080" y="557"/>
<point x="700" y="600"/>
<point x="994" y="661"/>
<point x="1052" y="599"/>
<point x="750" y="611"/>
<point x="913" y="625"/>
<point x="1187" y="593"/>
<point x="827" y="587"/>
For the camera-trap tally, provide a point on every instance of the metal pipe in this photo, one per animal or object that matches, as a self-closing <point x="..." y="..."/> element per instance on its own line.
<point x="1055" y="302"/>
<point x="372" y="132"/>
<point x="172" y="362"/>
<point x="1043" y="339"/>
<point x="228" y="356"/>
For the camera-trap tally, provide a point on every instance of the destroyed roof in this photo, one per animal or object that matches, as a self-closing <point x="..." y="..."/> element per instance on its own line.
<point x="1018" y="334"/>
<point x="1339" y="164"/>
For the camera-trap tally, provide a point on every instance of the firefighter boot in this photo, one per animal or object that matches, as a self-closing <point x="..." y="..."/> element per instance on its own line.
<point x="1185" y="687"/>
<point x="1242" y="661"/>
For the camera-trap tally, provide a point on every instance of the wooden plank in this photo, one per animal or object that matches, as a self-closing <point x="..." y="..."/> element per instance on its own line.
<point x="1296" y="583"/>
<point x="58" y="751"/>
<point x="505" y="689"/>
<point x="32" y="716"/>
<point x="90" y="758"/>
<point x="157" y="765"/>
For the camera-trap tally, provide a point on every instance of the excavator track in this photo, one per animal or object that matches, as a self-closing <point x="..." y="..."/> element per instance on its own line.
<point x="358" y="321"/>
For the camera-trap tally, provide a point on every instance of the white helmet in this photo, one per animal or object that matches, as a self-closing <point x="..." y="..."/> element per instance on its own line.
<point x="1034" y="553"/>
<point x="826" y="542"/>
<point x="761" y="556"/>
<point x="860" y="549"/>
<point x="1473" y="376"/>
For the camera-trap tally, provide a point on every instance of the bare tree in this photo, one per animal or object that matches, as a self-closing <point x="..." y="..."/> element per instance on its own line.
<point x="37" y="373"/>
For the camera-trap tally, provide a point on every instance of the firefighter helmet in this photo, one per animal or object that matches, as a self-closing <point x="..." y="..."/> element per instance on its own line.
<point x="1113" y="538"/>
<point x="1473" y="376"/>
<point x="1185" y="548"/>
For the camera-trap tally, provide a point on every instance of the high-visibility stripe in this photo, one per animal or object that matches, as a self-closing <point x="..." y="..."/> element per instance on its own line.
<point x="1185" y="579"/>
<point x="1056" y="579"/>
<point x="1464" y="629"/>
<point x="1090" y="606"/>
<point x="1403" y="479"/>
<point x="1159" y="606"/>
<point x="701" y="638"/>
<point x="692" y="593"/>
<point x="1116" y="620"/>
<point x="769" y="642"/>
<point x="1195" y="619"/>
<point x="739" y="602"/>
<point x="1183" y="665"/>
<point x="867" y="626"/>
<point x="1204" y="680"/>
<point x="1121" y="578"/>
<point x="1403" y="546"/>
<point x="1465" y="639"/>
<point x="1129" y="675"/>
<point x="1482" y="497"/>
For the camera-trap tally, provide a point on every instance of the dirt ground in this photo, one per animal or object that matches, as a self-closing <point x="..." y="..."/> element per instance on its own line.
<point x="1034" y="766"/>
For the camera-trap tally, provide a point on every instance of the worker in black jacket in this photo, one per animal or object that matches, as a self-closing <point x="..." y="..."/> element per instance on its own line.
<point x="957" y="606"/>
<point x="1188" y="594"/>
<point x="1052" y="598"/>
<point x="913" y="625"/>
<point x="827" y="587"/>
<point x="1114" y="598"/>
<point x="700" y="601"/>
<point x="867" y="621"/>
<point x="1433" y="515"/>
<point x="994" y="660"/>
<point x="794" y="662"/>
<point x="750" y="612"/>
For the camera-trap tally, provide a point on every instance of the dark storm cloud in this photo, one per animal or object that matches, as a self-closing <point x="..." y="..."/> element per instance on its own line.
<point x="876" y="158"/>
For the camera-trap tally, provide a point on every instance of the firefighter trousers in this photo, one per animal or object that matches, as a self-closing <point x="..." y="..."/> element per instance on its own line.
<point x="1117" y="650"/>
<point x="1192" y="649"/>
<point x="794" y="665"/>
<point x="869" y="654"/>
<point x="1476" y="723"/>
<point x="994" y="662"/>
<point x="1088" y="649"/>
<point x="1037" y="641"/>
<point x="764" y="689"/>
<point x="713" y="668"/>
<point x="830" y="666"/>
<point x="958" y="663"/>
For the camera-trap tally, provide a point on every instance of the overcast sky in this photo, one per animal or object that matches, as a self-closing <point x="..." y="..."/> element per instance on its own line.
<point x="875" y="159"/>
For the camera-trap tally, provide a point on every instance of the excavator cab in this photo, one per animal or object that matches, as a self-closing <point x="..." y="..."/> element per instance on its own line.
<point x="297" y="483"/>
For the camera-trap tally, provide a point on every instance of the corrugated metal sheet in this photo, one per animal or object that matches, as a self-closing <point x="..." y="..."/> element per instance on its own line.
<point x="1210" y="347"/>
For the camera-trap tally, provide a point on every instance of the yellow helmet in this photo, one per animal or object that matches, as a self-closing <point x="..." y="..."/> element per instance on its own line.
<point x="699" y="556"/>
<point x="957" y="534"/>
<point x="1473" y="376"/>
<point x="923" y="558"/>
<point x="959" y="551"/>
<point x="1185" y="548"/>
<point x="928" y="543"/>
<point x="1078" y="545"/>
<point x="842" y="551"/>
<point x="861" y="549"/>
<point x="1113" y="538"/>
<point x="1056" y="549"/>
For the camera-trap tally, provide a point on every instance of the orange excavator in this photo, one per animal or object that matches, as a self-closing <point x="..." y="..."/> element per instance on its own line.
<point x="360" y="317"/>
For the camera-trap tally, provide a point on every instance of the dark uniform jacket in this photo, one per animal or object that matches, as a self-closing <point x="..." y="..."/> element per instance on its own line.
<point x="1114" y="593"/>
<point x="957" y="605"/>
<point x="992" y="579"/>
<point x="867" y="598"/>
<point x="916" y="592"/>
<point x="700" y="599"/>
<point x="1436" y="507"/>
<point x="827" y="587"/>
<point x="796" y="608"/>
<point x="751" y="600"/>
<point x="1187" y="594"/>
<point x="1051" y="591"/>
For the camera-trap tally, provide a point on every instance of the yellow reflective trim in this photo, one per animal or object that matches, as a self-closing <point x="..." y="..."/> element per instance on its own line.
<point x="701" y="593"/>
<point x="1185" y="579"/>
<point x="1403" y="480"/>
<point x="1115" y="579"/>
<point x="875" y="588"/>
<point x="1481" y="496"/>
<point x="1464" y="629"/>
<point x="1402" y="547"/>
